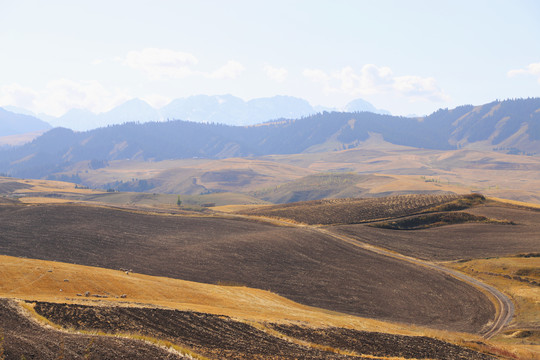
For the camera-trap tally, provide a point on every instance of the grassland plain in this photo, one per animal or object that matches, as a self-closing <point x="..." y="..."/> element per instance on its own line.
<point x="311" y="268"/>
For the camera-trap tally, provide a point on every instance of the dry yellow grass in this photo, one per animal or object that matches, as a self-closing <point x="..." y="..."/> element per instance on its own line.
<point x="417" y="183"/>
<point x="515" y="202"/>
<point x="43" y="200"/>
<point x="52" y="186"/>
<point x="236" y="208"/>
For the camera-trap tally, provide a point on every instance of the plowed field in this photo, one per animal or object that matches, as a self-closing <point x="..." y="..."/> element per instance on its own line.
<point x="302" y="265"/>
<point x="353" y="211"/>
<point x="219" y="337"/>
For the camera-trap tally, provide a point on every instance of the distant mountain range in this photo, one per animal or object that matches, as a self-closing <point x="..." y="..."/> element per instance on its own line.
<point x="222" y="109"/>
<point x="15" y="124"/>
<point x="511" y="126"/>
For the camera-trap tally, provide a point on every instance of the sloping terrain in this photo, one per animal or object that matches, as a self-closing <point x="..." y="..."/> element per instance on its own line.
<point x="222" y="337"/>
<point x="213" y="336"/>
<point x="380" y="344"/>
<point x="353" y="211"/>
<point x="463" y="241"/>
<point x="367" y="171"/>
<point x="40" y="280"/>
<point x="311" y="268"/>
<point x="322" y="186"/>
<point x="17" y="124"/>
<point x="234" y="321"/>
<point x="437" y="219"/>
<point x="22" y="338"/>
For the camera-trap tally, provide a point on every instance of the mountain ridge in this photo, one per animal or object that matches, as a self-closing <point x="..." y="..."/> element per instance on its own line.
<point x="223" y="109"/>
<point x="12" y="123"/>
<point x="509" y="126"/>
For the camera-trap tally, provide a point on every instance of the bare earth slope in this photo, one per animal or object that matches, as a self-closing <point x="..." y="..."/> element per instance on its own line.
<point x="222" y="337"/>
<point x="24" y="338"/>
<point x="305" y="266"/>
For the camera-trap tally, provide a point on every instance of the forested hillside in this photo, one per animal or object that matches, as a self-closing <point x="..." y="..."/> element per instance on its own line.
<point x="511" y="126"/>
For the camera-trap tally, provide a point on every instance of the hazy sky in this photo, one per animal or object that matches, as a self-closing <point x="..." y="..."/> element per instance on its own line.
<point x="403" y="56"/>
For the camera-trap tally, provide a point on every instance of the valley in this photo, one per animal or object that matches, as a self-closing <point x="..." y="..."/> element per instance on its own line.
<point x="353" y="241"/>
<point x="270" y="180"/>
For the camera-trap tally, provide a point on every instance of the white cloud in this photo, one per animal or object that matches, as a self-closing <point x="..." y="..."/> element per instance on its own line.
<point x="166" y="63"/>
<point x="17" y="95"/>
<point x="161" y="63"/>
<point x="276" y="74"/>
<point x="60" y="95"/>
<point x="316" y="75"/>
<point x="230" y="70"/>
<point x="373" y="79"/>
<point x="321" y="77"/>
<point x="531" y="69"/>
<point x="419" y="88"/>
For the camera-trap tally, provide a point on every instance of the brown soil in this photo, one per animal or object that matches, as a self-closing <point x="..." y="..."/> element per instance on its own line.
<point x="24" y="337"/>
<point x="302" y="265"/>
<point x="224" y="338"/>
<point x="381" y="344"/>
<point x="213" y="336"/>
<point x="463" y="241"/>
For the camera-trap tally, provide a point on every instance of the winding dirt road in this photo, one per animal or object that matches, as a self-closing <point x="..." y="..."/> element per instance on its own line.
<point x="504" y="306"/>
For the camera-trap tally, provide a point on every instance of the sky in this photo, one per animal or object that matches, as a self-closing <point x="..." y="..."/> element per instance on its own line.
<point x="408" y="57"/>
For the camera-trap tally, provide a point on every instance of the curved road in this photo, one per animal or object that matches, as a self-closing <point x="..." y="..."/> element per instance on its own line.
<point x="504" y="306"/>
